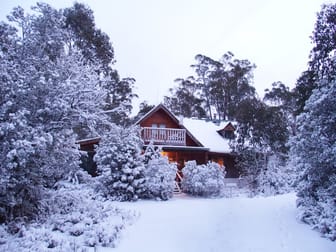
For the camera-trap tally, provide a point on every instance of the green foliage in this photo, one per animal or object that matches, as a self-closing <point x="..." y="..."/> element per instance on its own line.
<point x="96" y="48"/>
<point x="262" y="131"/>
<point x="322" y="56"/>
<point x="91" y="41"/>
<point x="144" y="108"/>
<point x="261" y="127"/>
<point x="185" y="99"/>
<point x="217" y="87"/>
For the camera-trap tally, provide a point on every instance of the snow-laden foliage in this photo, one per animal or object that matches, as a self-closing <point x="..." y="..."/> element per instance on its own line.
<point x="48" y="96"/>
<point x="77" y="218"/>
<point x="314" y="155"/>
<point x="262" y="131"/>
<point x="120" y="164"/>
<point x="159" y="173"/>
<point x="203" y="180"/>
<point x="277" y="178"/>
<point x="266" y="174"/>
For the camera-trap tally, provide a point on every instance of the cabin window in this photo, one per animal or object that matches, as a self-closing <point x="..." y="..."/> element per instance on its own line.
<point x="228" y="134"/>
<point x="154" y="125"/>
<point x="218" y="160"/>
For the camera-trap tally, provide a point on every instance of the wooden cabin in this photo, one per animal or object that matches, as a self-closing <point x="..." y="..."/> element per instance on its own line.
<point x="186" y="139"/>
<point x="181" y="140"/>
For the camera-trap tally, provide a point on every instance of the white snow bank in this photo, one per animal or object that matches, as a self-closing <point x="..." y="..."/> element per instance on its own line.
<point x="234" y="225"/>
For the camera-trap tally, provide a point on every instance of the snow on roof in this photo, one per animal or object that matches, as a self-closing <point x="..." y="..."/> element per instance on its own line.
<point x="206" y="133"/>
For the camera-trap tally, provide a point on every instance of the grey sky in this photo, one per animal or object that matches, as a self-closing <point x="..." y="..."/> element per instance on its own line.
<point x="156" y="41"/>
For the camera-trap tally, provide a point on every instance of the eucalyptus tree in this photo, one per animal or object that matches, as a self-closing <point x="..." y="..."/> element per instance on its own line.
<point x="185" y="99"/>
<point x="217" y="87"/>
<point x="96" y="48"/>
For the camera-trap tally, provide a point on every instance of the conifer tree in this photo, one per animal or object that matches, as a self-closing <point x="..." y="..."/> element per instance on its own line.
<point x="120" y="164"/>
<point x="160" y="174"/>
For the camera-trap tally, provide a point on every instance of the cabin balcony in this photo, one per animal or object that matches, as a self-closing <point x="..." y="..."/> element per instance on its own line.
<point x="164" y="136"/>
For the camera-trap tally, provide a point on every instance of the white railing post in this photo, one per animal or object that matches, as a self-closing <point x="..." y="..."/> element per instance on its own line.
<point x="164" y="135"/>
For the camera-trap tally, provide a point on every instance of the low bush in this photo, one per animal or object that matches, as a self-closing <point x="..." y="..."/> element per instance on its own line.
<point x="203" y="180"/>
<point x="75" y="218"/>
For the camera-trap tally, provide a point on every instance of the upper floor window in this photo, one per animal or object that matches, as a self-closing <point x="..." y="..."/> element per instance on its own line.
<point x="228" y="131"/>
<point x="161" y="126"/>
<point x="229" y="134"/>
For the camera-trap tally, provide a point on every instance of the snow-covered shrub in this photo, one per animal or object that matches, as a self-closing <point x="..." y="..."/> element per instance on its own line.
<point x="251" y="163"/>
<point x="120" y="164"/>
<point x="160" y="175"/>
<point x="277" y="178"/>
<point x="203" y="180"/>
<point x="77" y="219"/>
<point x="313" y="150"/>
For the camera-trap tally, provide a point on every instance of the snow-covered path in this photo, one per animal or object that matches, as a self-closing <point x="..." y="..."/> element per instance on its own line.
<point x="236" y="224"/>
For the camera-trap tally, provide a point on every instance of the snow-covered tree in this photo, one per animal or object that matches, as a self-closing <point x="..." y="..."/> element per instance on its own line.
<point x="120" y="164"/>
<point x="313" y="148"/>
<point x="47" y="93"/>
<point x="277" y="178"/>
<point x="159" y="173"/>
<point x="96" y="48"/>
<point x="262" y="131"/>
<point x="203" y="180"/>
<point x="314" y="154"/>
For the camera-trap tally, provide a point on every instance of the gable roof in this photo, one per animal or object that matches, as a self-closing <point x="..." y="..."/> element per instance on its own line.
<point x="155" y="109"/>
<point x="173" y="117"/>
<point x="227" y="127"/>
<point x="207" y="133"/>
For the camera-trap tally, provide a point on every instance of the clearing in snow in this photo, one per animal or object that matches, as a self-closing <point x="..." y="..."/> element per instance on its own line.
<point x="229" y="224"/>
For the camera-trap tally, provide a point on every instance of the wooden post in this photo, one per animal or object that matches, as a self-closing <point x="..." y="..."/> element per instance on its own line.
<point x="206" y="157"/>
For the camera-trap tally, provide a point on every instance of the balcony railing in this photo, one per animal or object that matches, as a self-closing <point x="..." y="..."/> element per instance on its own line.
<point x="164" y="136"/>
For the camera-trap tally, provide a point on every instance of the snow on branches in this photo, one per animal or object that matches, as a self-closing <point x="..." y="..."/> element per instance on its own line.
<point x="160" y="174"/>
<point x="203" y="180"/>
<point x="119" y="164"/>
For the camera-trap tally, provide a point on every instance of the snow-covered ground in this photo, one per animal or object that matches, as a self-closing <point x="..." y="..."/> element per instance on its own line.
<point x="230" y="224"/>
